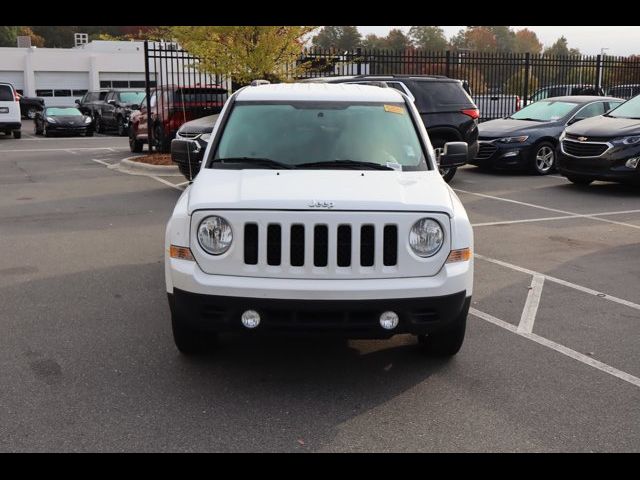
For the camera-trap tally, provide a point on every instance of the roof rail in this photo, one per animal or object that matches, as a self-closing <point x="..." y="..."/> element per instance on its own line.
<point x="258" y="82"/>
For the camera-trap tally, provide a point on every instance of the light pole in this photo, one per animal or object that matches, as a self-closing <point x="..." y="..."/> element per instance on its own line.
<point x="601" y="66"/>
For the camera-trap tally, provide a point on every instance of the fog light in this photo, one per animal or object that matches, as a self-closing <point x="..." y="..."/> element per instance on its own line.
<point x="389" y="320"/>
<point x="250" y="319"/>
<point x="633" y="162"/>
<point x="511" y="153"/>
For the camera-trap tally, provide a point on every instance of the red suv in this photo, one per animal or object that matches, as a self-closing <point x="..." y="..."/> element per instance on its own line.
<point x="171" y="106"/>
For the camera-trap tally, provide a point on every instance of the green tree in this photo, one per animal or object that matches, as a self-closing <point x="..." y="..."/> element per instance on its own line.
<point x="505" y="38"/>
<point x="372" y="41"/>
<point x="245" y="52"/>
<point x="340" y="38"/>
<point x="480" y="39"/>
<point x="36" y="40"/>
<point x="8" y="36"/>
<point x="428" y="38"/>
<point x="397" y="40"/>
<point x="515" y="84"/>
<point x="561" y="47"/>
<point x="527" y="41"/>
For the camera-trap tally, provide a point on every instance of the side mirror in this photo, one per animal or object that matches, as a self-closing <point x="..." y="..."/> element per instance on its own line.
<point x="454" y="154"/>
<point x="78" y="101"/>
<point x="187" y="153"/>
<point x="112" y="102"/>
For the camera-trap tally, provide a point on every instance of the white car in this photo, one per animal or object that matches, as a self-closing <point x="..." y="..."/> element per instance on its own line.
<point x="320" y="208"/>
<point x="10" y="119"/>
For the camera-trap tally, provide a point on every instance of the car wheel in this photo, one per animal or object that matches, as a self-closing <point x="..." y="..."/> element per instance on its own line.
<point x="35" y="129"/>
<point x="122" y="131"/>
<point x="160" y="141"/>
<point x="544" y="158"/>
<point x="190" y="341"/>
<point x="135" y="145"/>
<point x="17" y="134"/>
<point x="447" y="341"/>
<point x="31" y="113"/>
<point x="579" y="180"/>
<point x="99" y="125"/>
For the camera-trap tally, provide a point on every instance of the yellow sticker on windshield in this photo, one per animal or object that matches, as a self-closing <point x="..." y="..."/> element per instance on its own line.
<point x="394" y="109"/>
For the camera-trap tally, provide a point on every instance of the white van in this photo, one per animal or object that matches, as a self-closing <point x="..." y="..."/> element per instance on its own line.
<point x="9" y="111"/>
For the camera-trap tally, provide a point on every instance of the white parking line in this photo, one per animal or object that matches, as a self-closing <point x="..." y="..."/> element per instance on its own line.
<point x="627" y="377"/>
<point x="106" y="164"/>
<point x="162" y="180"/>
<point x="62" y="149"/>
<point x="559" y="281"/>
<point x="565" y="212"/>
<point x="531" y="305"/>
<point x="546" y="219"/>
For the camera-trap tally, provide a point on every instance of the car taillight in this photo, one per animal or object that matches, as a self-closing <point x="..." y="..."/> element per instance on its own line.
<point x="472" y="112"/>
<point x="518" y="106"/>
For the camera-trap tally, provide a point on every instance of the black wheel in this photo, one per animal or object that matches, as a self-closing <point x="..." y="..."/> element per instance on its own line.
<point x="35" y="129"/>
<point x="543" y="158"/>
<point x="122" y="131"/>
<point x="161" y="143"/>
<point x="31" y="113"/>
<point x="17" y="134"/>
<point x="438" y="146"/>
<point x="447" y="341"/>
<point x="579" y="180"/>
<point x="99" y="125"/>
<point x="135" y="145"/>
<point x="190" y="341"/>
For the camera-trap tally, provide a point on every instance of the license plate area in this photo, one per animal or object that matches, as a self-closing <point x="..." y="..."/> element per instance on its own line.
<point x="4" y="110"/>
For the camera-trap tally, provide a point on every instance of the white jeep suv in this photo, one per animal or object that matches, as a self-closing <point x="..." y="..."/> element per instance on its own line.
<point x="319" y="208"/>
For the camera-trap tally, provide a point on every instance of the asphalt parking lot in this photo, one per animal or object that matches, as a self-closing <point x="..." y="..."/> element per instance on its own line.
<point x="550" y="363"/>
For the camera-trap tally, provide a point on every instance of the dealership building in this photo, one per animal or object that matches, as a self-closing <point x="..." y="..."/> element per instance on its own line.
<point x="62" y="75"/>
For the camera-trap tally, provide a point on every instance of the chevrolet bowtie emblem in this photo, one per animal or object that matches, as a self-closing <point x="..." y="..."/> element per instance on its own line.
<point x="582" y="139"/>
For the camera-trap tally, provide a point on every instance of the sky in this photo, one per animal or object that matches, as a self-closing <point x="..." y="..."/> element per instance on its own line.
<point x="589" y="40"/>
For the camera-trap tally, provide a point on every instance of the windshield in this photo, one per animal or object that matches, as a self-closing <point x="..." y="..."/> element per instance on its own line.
<point x="62" y="111"/>
<point x="303" y="132"/>
<point x="629" y="109"/>
<point x="131" y="97"/>
<point x="544" y="111"/>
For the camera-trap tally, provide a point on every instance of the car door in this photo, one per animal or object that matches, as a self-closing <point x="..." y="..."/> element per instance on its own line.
<point x="108" y="109"/>
<point x="589" y="110"/>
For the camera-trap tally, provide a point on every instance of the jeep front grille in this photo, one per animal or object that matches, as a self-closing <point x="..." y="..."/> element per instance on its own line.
<point x="340" y="249"/>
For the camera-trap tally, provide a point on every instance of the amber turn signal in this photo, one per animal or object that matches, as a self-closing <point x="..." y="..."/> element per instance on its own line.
<point x="183" y="253"/>
<point x="461" y="255"/>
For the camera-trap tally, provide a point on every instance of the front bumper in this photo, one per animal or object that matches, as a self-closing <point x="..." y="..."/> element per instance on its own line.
<point x="10" y="126"/>
<point x="66" y="129"/>
<point x="350" y="318"/>
<point x="609" y="167"/>
<point x="502" y="155"/>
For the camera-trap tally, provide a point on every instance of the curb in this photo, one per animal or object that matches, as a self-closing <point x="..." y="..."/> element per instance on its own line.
<point x="127" y="165"/>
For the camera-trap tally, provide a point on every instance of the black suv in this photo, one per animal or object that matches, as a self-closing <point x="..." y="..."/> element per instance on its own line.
<point x="114" y="112"/>
<point x="606" y="147"/>
<point x="91" y="101"/>
<point x="447" y="110"/>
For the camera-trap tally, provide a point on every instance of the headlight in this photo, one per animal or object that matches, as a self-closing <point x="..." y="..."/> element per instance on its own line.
<point x="215" y="235"/>
<point x="628" y="140"/>
<point x="426" y="237"/>
<point x="520" y="139"/>
<point x="87" y="120"/>
<point x="205" y="137"/>
<point x="51" y="120"/>
<point x="563" y="135"/>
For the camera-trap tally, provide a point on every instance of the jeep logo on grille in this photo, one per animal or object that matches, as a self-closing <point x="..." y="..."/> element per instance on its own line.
<point x="319" y="204"/>
<point x="582" y="139"/>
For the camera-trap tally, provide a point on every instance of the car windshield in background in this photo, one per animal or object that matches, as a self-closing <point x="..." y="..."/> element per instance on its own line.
<point x="63" y="112"/>
<point x="544" y="111"/>
<point x="6" y="94"/>
<point x="201" y="95"/>
<point x="131" y="97"/>
<point x="310" y="132"/>
<point x="629" y="109"/>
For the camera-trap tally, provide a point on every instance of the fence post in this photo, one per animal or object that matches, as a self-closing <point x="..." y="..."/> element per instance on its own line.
<point x="448" y="63"/>
<point x="358" y="60"/>
<point x="527" y="66"/>
<point x="599" y="73"/>
<point x="147" y="83"/>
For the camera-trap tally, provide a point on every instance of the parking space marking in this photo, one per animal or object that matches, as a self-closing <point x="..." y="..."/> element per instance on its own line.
<point x="548" y="208"/>
<point x="106" y="164"/>
<point x="559" y="281"/>
<point x="31" y="150"/>
<point x="546" y="219"/>
<point x="162" y="180"/>
<point x="531" y="305"/>
<point x="592" y="362"/>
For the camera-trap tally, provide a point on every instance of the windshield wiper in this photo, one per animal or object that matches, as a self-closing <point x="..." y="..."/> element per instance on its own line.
<point x="530" y="119"/>
<point x="262" y="162"/>
<point x="349" y="164"/>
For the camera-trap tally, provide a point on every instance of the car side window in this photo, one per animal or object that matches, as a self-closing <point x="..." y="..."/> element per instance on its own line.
<point x="612" y="105"/>
<point x="591" y="110"/>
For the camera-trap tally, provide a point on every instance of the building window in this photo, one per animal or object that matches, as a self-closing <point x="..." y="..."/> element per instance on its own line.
<point x="62" y="93"/>
<point x="44" y="93"/>
<point x="105" y="83"/>
<point x="79" y="93"/>
<point x="137" y="84"/>
<point x="120" y="83"/>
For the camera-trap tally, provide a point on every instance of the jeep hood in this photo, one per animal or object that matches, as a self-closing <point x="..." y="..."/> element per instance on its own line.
<point x="296" y="190"/>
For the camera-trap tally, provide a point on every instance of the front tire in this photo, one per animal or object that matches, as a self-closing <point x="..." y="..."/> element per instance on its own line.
<point x="135" y="145"/>
<point x="122" y="131"/>
<point x="447" y="341"/>
<point x="17" y="134"/>
<point x="99" y="125"/>
<point x="31" y="113"/>
<point x="543" y="160"/>
<point x="190" y="341"/>
<point x="161" y="143"/>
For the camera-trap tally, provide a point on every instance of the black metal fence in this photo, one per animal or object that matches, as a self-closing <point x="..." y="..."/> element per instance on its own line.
<point x="504" y="81"/>
<point x="177" y="90"/>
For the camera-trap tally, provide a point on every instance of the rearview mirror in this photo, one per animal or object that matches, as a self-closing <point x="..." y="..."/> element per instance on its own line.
<point x="454" y="154"/>
<point x="188" y="155"/>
